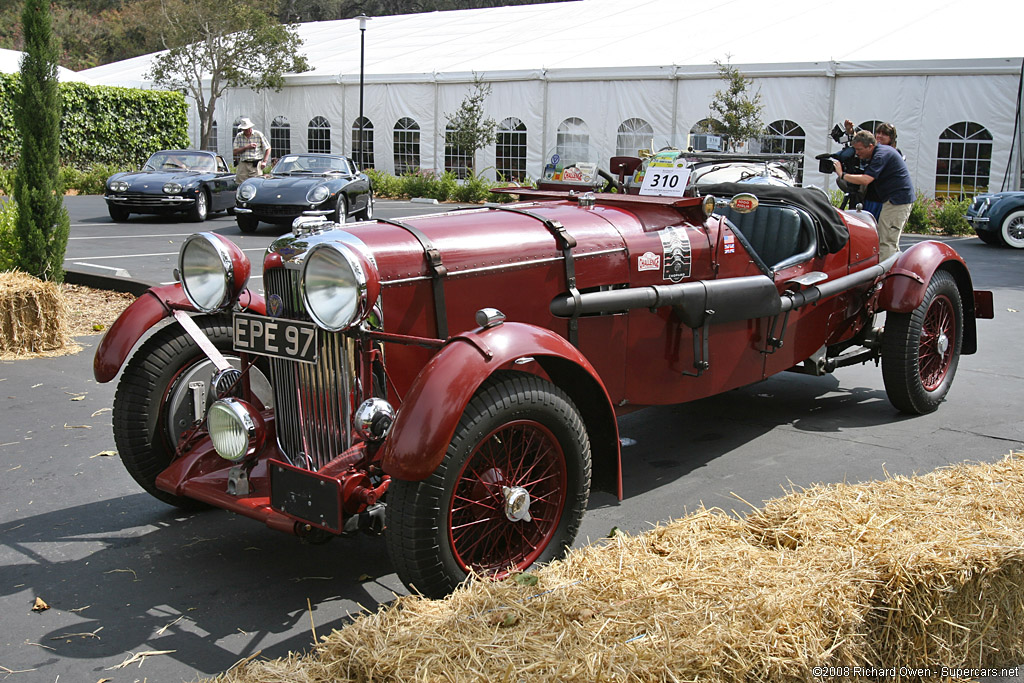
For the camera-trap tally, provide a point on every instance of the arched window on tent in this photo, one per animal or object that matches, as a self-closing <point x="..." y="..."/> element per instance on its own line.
<point x="632" y="136"/>
<point x="785" y="137"/>
<point x="362" y="150"/>
<point x="572" y="141"/>
<point x="510" y="149"/>
<point x="871" y="125"/>
<point x="457" y="159"/>
<point x="211" y="141"/>
<point x="716" y="140"/>
<point x="964" y="160"/>
<point x="319" y="135"/>
<point x="407" y="146"/>
<point x="280" y="137"/>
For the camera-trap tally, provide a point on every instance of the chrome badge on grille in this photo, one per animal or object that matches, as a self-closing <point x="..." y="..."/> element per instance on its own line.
<point x="275" y="305"/>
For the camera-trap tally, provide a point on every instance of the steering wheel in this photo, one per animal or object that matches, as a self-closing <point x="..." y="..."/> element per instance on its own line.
<point x="610" y="181"/>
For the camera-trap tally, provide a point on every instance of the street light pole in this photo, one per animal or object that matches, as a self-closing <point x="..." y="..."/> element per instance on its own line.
<point x="362" y="71"/>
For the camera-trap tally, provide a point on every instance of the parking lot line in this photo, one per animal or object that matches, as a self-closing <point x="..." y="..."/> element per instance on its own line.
<point x="164" y="253"/>
<point x="132" y="235"/>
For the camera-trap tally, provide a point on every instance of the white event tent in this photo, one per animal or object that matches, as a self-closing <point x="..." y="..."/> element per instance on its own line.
<point x="10" y="63"/>
<point x="605" y="76"/>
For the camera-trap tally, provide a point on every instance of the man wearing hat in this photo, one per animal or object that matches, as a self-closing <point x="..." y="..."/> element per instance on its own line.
<point x="252" y="149"/>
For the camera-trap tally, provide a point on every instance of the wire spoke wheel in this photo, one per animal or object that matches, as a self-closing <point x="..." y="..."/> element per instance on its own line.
<point x="508" y="499"/>
<point x="936" y="352"/>
<point x="510" y="491"/>
<point x="921" y="349"/>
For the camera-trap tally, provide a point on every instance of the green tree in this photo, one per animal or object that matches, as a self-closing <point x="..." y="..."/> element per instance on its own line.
<point x="213" y="45"/>
<point x="42" y="226"/>
<point x="468" y="129"/>
<point x="737" y="108"/>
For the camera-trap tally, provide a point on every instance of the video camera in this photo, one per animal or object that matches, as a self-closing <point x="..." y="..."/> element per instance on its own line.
<point x="849" y="162"/>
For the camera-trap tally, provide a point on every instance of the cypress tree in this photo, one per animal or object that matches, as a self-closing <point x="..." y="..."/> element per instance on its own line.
<point x="43" y="224"/>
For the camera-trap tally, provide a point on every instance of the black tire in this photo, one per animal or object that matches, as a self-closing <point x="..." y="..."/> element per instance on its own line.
<point x="366" y="213"/>
<point x="159" y="370"/>
<point x="988" y="237"/>
<point x="118" y="214"/>
<point x="921" y="349"/>
<point x="247" y="223"/>
<point x="340" y="215"/>
<point x="515" y="423"/>
<point x="198" y="212"/>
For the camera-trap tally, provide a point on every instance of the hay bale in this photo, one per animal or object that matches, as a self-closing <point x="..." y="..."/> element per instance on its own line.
<point x="909" y="572"/>
<point x="33" y="316"/>
<point x="947" y="551"/>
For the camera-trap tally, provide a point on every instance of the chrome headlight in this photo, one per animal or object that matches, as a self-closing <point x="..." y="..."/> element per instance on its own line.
<point x="318" y="194"/>
<point x="236" y="429"/>
<point x="213" y="271"/>
<point x="119" y="186"/>
<point x="172" y="188"/>
<point x="246" y="191"/>
<point x="339" y="286"/>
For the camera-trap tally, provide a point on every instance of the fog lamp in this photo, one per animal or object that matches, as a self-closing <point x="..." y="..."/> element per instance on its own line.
<point x="236" y="429"/>
<point x="373" y="419"/>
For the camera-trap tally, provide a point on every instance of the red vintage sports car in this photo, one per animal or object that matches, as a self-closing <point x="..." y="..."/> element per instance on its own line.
<point x="455" y="378"/>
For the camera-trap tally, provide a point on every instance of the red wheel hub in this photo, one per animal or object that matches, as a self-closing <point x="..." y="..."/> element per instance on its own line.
<point x="938" y="341"/>
<point x="508" y="499"/>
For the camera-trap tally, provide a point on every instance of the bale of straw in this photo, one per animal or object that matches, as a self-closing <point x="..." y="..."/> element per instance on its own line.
<point x="946" y="549"/>
<point x="33" y="315"/>
<point x="908" y="572"/>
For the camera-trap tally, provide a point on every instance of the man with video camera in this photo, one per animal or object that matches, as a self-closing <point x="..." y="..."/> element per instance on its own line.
<point x="888" y="181"/>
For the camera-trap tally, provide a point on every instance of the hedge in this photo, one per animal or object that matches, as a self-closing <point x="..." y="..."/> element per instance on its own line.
<point x="103" y="124"/>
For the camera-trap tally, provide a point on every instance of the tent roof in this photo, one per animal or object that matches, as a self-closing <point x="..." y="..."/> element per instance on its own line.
<point x="592" y="35"/>
<point x="10" y="63"/>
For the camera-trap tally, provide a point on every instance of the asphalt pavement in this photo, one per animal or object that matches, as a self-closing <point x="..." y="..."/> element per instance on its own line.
<point x="124" y="574"/>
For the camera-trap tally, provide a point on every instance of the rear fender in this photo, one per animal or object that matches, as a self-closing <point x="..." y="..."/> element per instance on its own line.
<point x="904" y="287"/>
<point x="151" y="307"/>
<point x="431" y="410"/>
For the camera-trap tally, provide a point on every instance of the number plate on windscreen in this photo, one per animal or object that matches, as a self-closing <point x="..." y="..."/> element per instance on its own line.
<point x="288" y="339"/>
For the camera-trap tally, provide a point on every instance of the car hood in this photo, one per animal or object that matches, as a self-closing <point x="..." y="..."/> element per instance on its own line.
<point x="154" y="180"/>
<point x="292" y="188"/>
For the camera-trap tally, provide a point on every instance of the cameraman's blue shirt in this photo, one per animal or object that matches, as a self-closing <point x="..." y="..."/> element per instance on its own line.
<point x="891" y="177"/>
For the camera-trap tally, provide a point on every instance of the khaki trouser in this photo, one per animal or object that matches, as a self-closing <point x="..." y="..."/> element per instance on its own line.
<point x="890" y="226"/>
<point x="247" y="169"/>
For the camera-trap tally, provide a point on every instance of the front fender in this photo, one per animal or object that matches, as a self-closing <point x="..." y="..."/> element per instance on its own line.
<point x="430" y="411"/>
<point x="904" y="287"/>
<point x="151" y="307"/>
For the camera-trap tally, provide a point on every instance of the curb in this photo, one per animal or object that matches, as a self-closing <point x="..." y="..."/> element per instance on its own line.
<point x="109" y="282"/>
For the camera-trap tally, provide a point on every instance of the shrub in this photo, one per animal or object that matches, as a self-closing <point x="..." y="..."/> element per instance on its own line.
<point x="384" y="184"/>
<point x="475" y="188"/>
<point x="8" y="240"/>
<point x="949" y="217"/>
<point x="102" y="124"/>
<point x="920" y="220"/>
<point x="417" y="183"/>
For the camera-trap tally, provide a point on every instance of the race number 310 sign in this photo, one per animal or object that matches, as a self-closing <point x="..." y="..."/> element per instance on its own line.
<point x="666" y="181"/>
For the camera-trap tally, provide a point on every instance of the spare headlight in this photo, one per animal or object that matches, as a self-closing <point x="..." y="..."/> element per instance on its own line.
<point x="339" y="286"/>
<point x="172" y="188"/>
<point x="318" y="194"/>
<point x="213" y="271"/>
<point x="247" y="191"/>
<point x="236" y="429"/>
<point x="119" y="186"/>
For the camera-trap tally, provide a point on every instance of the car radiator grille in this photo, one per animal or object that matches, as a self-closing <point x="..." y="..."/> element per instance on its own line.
<point x="313" y="402"/>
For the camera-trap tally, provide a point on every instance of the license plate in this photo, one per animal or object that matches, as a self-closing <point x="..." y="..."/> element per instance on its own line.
<point x="287" y="339"/>
<point x="306" y="495"/>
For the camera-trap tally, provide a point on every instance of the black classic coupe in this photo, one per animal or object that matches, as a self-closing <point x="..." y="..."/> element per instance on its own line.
<point x="305" y="184"/>
<point x="187" y="181"/>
